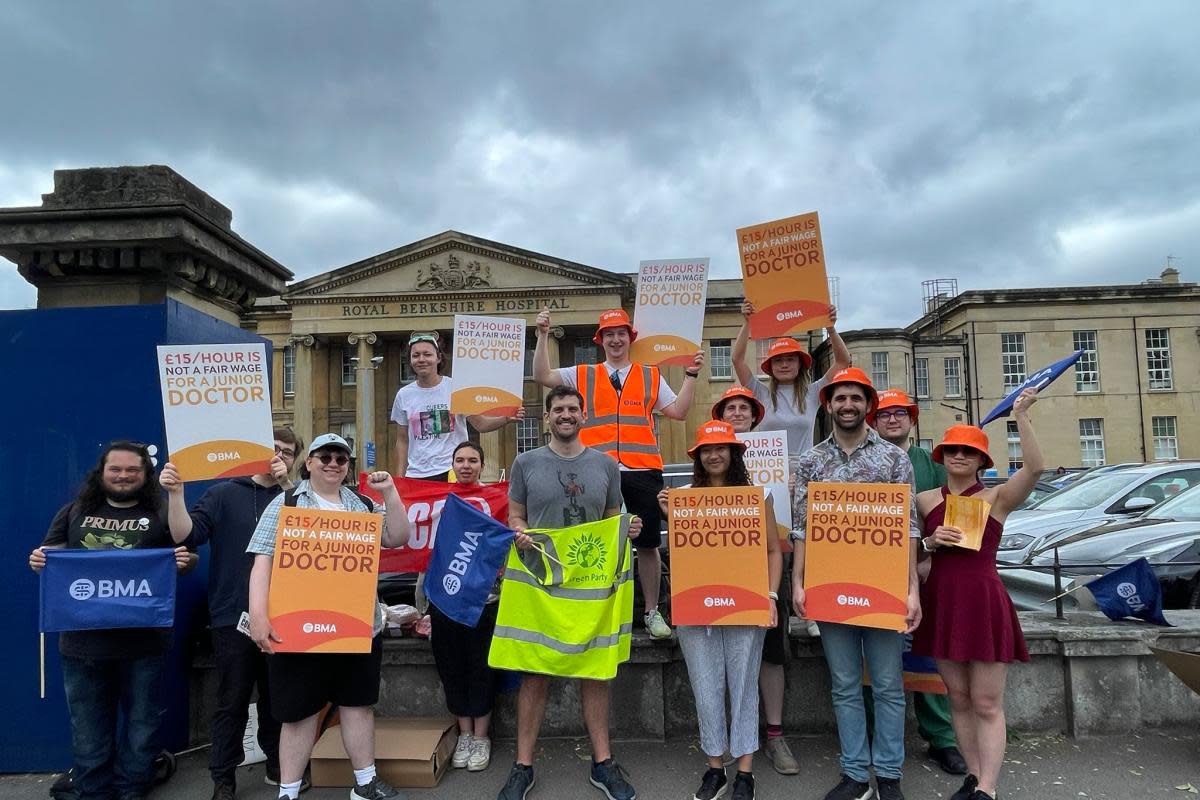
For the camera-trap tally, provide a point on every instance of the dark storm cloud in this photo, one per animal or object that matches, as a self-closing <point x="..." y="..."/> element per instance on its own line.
<point x="1005" y="144"/>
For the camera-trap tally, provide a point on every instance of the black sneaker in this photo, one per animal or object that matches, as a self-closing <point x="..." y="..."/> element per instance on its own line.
<point x="609" y="777"/>
<point x="377" y="789"/>
<point x="712" y="785"/>
<point x="967" y="790"/>
<point x="850" y="789"/>
<point x="520" y="781"/>
<point x="889" y="788"/>
<point x="224" y="791"/>
<point x="743" y="786"/>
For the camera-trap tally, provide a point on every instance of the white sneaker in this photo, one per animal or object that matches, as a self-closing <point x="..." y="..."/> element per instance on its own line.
<point x="481" y="754"/>
<point x="656" y="625"/>
<point x="462" y="751"/>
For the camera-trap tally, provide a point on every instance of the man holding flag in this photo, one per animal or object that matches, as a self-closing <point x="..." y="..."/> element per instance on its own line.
<point x="114" y="673"/>
<point x="563" y="484"/>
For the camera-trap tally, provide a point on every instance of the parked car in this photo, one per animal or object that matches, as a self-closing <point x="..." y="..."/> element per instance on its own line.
<point x="1040" y="489"/>
<point x="1091" y="501"/>
<point x="1074" y="475"/>
<point x="1166" y="535"/>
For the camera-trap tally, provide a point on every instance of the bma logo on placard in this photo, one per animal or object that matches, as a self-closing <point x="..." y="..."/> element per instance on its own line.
<point x="86" y="589"/>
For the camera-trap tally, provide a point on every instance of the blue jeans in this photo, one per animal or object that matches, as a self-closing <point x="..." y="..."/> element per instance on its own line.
<point x="846" y="646"/>
<point x="116" y="707"/>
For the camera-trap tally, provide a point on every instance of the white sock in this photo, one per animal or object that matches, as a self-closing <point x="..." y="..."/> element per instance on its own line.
<point x="365" y="775"/>
<point x="290" y="790"/>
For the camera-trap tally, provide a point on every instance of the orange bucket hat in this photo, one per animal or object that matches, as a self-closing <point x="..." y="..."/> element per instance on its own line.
<point x="783" y="347"/>
<point x="614" y="318"/>
<point x="849" y="375"/>
<point x="968" y="436"/>
<point x="715" y="432"/>
<point x="893" y="398"/>
<point x="760" y="410"/>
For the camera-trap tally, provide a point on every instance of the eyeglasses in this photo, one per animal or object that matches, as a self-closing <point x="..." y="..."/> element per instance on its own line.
<point x="285" y="452"/>
<point x="958" y="450"/>
<point x="895" y="413"/>
<point x="341" y="459"/>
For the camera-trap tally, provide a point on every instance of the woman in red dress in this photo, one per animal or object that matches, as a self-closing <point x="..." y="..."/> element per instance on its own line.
<point x="970" y="626"/>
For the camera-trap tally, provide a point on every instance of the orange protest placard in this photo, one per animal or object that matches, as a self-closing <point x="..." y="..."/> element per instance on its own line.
<point x="856" y="553"/>
<point x="783" y="268"/>
<point x="969" y="515"/>
<point x="323" y="580"/>
<point x="718" y="556"/>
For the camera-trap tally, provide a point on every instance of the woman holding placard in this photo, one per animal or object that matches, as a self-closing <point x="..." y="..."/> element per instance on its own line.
<point x="740" y="408"/>
<point x="461" y="652"/>
<point x="790" y="396"/>
<point x="724" y="659"/>
<point x="969" y="624"/>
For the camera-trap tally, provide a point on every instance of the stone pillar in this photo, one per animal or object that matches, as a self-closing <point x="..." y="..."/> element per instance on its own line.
<point x="302" y="422"/>
<point x="364" y="397"/>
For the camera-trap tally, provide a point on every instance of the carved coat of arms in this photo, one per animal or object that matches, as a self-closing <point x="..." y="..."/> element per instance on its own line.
<point x="452" y="275"/>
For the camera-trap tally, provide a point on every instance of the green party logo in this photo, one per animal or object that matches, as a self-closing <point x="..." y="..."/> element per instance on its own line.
<point x="587" y="551"/>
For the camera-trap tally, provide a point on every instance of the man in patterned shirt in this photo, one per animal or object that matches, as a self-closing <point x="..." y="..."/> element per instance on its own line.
<point x="855" y="453"/>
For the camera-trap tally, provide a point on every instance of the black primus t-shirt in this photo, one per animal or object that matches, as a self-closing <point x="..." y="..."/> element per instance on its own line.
<point x="111" y="528"/>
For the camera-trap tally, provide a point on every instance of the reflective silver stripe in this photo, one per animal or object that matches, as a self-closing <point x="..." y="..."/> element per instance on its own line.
<point x="566" y="648"/>
<point x="566" y="593"/>
<point x="626" y="447"/>
<point x="537" y="563"/>
<point x="648" y="387"/>
<point x="623" y="419"/>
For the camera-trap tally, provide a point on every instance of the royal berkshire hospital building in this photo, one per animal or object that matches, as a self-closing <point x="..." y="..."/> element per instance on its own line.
<point x="128" y="235"/>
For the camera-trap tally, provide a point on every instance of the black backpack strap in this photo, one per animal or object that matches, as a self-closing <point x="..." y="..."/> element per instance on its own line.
<point x="368" y="502"/>
<point x="289" y="498"/>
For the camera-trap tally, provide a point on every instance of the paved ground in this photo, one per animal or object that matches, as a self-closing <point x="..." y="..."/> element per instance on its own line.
<point x="1154" y="765"/>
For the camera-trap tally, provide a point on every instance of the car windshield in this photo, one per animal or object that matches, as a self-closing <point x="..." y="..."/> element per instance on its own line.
<point x="1085" y="494"/>
<point x="1183" y="506"/>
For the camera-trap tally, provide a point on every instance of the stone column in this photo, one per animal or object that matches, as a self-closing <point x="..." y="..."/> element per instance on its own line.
<point x="364" y="397"/>
<point x="302" y="422"/>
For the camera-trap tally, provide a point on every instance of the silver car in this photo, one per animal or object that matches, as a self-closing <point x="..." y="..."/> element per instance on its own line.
<point x="1090" y="502"/>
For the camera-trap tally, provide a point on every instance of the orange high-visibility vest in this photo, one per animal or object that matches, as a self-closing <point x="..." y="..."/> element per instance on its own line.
<point x="621" y="426"/>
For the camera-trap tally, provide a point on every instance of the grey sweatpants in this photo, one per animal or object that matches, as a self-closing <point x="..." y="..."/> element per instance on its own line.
<point x="721" y="657"/>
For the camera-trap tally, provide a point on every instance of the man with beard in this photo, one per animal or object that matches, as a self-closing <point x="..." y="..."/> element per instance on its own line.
<point x="619" y="401"/>
<point x="562" y="484"/>
<point x="225" y="516"/>
<point x="113" y="678"/>
<point x="893" y="419"/>
<point x="855" y="453"/>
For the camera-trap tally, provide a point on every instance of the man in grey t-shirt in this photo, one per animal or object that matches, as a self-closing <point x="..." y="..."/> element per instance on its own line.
<point x="563" y="484"/>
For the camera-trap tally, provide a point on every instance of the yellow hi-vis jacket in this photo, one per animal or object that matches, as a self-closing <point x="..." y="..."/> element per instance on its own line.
<point x="567" y="610"/>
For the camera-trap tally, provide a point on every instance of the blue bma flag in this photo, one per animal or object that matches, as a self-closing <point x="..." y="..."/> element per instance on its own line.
<point x="1038" y="380"/>
<point x="468" y="553"/>
<point x="94" y="589"/>
<point x="1131" y="591"/>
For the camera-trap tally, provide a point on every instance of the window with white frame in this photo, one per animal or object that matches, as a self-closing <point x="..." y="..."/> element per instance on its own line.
<point x="1016" y="459"/>
<point x="1087" y="368"/>
<point x="586" y="352"/>
<point x="1166" y="440"/>
<point x="529" y="431"/>
<point x="921" y="370"/>
<point x="1012" y="359"/>
<point x="720" y="358"/>
<point x="953" y="370"/>
<point x="349" y="364"/>
<point x="349" y="431"/>
<point x="925" y="444"/>
<point x="289" y="369"/>
<point x="530" y="345"/>
<point x="1091" y="442"/>
<point x="1158" y="358"/>
<point x="879" y="370"/>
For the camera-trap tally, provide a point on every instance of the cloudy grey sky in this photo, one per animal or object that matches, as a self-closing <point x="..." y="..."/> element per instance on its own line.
<point x="1004" y="144"/>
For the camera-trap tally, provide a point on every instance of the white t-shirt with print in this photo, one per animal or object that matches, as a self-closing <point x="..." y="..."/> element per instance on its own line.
<point x="433" y="432"/>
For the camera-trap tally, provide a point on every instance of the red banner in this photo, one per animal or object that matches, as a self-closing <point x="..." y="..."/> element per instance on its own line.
<point x="424" y="501"/>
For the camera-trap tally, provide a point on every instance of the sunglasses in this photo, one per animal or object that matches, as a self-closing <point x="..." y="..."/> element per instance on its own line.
<point x="341" y="459"/>
<point x="896" y="413"/>
<point x="958" y="450"/>
<point x="423" y="337"/>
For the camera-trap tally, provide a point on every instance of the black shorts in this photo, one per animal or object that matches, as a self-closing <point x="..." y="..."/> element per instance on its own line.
<point x="302" y="683"/>
<point x="640" y="489"/>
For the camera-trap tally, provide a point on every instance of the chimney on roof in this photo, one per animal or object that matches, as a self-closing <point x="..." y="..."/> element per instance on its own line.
<point x="1170" y="275"/>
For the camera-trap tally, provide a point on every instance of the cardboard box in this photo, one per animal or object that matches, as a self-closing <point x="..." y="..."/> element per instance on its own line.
<point x="1186" y="666"/>
<point x="410" y="752"/>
